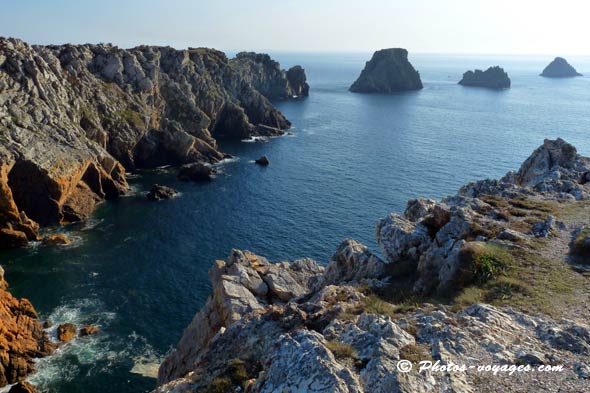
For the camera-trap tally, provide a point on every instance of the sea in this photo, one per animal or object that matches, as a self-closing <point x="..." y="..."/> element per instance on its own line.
<point x="138" y="269"/>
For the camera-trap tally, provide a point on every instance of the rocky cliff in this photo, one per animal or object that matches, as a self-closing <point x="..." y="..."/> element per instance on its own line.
<point x="75" y="118"/>
<point x="267" y="77"/>
<point x="388" y="71"/>
<point x="21" y="337"/>
<point x="493" y="78"/>
<point x="343" y="328"/>
<point x="559" y="68"/>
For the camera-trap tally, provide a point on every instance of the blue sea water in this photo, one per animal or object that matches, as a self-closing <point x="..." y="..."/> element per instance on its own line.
<point x="138" y="269"/>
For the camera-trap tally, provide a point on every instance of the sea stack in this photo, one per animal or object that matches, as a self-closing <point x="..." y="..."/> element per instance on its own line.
<point x="492" y="78"/>
<point x="387" y="72"/>
<point x="560" y="68"/>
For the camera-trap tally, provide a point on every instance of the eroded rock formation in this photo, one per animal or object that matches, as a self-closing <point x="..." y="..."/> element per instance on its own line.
<point x="75" y="118"/>
<point x="560" y="68"/>
<point x="388" y="71"/>
<point x="21" y="337"/>
<point x="301" y="327"/>
<point x="492" y="78"/>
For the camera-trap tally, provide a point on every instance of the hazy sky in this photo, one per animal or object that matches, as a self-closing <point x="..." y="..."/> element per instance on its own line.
<point x="457" y="26"/>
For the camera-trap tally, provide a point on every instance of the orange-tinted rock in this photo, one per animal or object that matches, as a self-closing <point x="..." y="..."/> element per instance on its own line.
<point x="21" y="337"/>
<point x="89" y="331"/>
<point x="66" y="332"/>
<point x="56" y="239"/>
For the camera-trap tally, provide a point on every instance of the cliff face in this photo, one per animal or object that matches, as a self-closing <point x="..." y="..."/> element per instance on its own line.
<point x="560" y="68"/>
<point x="493" y="78"/>
<point x="388" y="71"/>
<point x="74" y="118"/>
<point x="343" y="328"/>
<point x="268" y="78"/>
<point x="21" y="337"/>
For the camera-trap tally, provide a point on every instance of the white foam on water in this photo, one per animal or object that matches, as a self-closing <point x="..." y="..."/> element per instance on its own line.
<point x="93" y="355"/>
<point x="253" y="139"/>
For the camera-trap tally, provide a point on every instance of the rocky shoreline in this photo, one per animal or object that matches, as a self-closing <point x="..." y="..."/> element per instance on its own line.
<point x="76" y="118"/>
<point x="342" y="328"/>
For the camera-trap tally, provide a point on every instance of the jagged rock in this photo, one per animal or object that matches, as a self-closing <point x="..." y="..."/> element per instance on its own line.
<point x="66" y="332"/>
<point x="57" y="239"/>
<point x="353" y="262"/>
<point x="78" y="116"/>
<point x="559" y="68"/>
<point x="388" y="71"/>
<point x="21" y="337"/>
<point x="417" y="209"/>
<point x="493" y="78"/>
<point x="400" y="239"/>
<point x="159" y="192"/>
<point x="243" y="283"/>
<point x="262" y="161"/>
<point x="196" y="172"/>
<point x="268" y="78"/>
<point x="511" y="235"/>
<point x="544" y="228"/>
<point x="298" y="81"/>
<point x="89" y="330"/>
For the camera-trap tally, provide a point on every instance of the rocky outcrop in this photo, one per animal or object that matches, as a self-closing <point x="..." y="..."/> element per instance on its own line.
<point x="560" y="68"/>
<point x="492" y="78"/>
<point x="75" y="118"/>
<point x="388" y="71"/>
<point x="299" y="327"/>
<point x="21" y="337"/>
<point x="159" y="192"/>
<point x="268" y="78"/>
<point x="263" y="161"/>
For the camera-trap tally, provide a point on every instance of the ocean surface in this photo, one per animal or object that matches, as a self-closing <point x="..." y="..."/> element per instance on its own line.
<point x="138" y="269"/>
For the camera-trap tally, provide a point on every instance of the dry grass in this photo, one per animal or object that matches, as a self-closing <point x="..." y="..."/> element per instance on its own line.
<point x="341" y="351"/>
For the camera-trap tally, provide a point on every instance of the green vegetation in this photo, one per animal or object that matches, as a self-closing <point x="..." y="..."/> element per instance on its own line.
<point x="483" y="262"/>
<point x="415" y="353"/>
<point x="581" y="245"/>
<point x="237" y="373"/>
<point x="341" y="350"/>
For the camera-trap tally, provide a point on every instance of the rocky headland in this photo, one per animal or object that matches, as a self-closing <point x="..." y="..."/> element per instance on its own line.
<point x="75" y="118"/>
<point x="388" y="71"/>
<point x="560" y="68"/>
<point x="496" y="274"/>
<point x="492" y="78"/>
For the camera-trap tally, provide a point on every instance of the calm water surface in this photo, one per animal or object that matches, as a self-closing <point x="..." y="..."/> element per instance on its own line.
<point x="139" y="269"/>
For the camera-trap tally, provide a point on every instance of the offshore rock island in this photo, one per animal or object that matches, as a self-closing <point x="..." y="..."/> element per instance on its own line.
<point x="75" y="118"/>
<point x="496" y="274"/>
<point x="492" y="78"/>
<point x="560" y="68"/>
<point x="387" y="72"/>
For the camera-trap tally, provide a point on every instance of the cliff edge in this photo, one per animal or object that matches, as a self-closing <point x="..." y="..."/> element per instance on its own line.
<point x="496" y="274"/>
<point x="75" y="118"/>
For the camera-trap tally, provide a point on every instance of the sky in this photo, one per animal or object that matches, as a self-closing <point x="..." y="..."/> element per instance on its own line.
<point x="427" y="26"/>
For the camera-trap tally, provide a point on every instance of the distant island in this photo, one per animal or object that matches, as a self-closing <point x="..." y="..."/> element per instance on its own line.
<point x="560" y="68"/>
<point x="388" y="71"/>
<point x="492" y="78"/>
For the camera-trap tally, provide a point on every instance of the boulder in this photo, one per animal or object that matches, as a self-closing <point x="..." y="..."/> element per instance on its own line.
<point x="353" y="262"/>
<point x="196" y="172"/>
<point x="159" y="192"/>
<point x="89" y="330"/>
<point x="493" y="78"/>
<point x="56" y="239"/>
<point x="263" y="161"/>
<point x="560" y="68"/>
<point x="388" y="71"/>
<point x="66" y="332"/>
